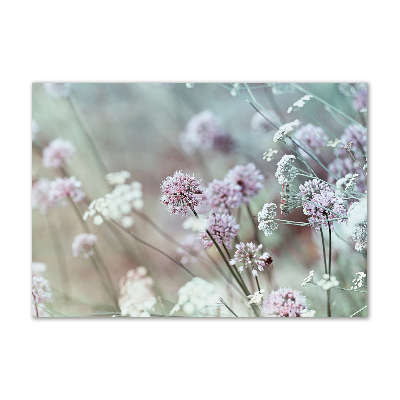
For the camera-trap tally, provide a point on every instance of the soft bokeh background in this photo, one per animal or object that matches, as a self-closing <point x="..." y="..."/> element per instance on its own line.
<point x="136" y="127"/>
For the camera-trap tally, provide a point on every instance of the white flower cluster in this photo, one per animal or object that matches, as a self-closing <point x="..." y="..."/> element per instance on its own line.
<point x="117" y="205"/>
<point x="299" y="103"/>
<point x="286" y="130"/>
<point x="256" y="298"/>
<point x="358" y="282"/>
<point x="195" y="224"/>
<point x="345" y="184"/>
<point x="117" y="178"/>
<point x="307" y="313"/>
<point x="266" y="219"/>
<point x="334" y="143"/>
<point x="198" y="298"/>
<point x="286" y="172"/>
<point x="136" y="298"/>
<point x="270" y="154"/>
<point x="327" y="283"/>
<point x="358" y="223"/>
<point x="309" y="279"/>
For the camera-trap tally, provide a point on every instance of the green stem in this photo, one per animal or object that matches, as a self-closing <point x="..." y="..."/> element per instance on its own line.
<point x="256" y="235"/>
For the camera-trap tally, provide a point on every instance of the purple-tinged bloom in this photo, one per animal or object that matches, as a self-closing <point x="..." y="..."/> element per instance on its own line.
<point x="58" y="153"/>
<point x="83" y="243"/>
<point x="223" y="228"/>
<point x="312" y="138"/>
<point x="248" y="179"/>
<point x="259" y="124"/>
<point x="221" y="195"/>
<point x="62" y="188"/>
<point x="348" y="166"/>
<point x="284" y="302"/>
<point x="321" y="204"/>
<point x="247" y="255"/>
<point x="361" y="100"/>
<point x="180" y="192"/>
<point x="205" y="131"/>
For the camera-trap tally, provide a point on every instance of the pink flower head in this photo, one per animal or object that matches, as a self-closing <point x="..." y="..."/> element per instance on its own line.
<point x="321" y="204"/>
<point x="83" y="243"/>
<point x="180" y="192"/>
<point x="248" y="179"/>
<point x="358" y="135"/>
<point x="343" y="166"/>
<point x="247" y="254"/>
<point x="312" y="138"/>
<point x="57" y="89"/>
<point x="41" y="292"/>
<point x="62" y="188"/>
<point x="222" y="195"/>
<point x="361" y="100"/>
<point x="58" y="153"/>
<point x="41" y="195"/>
<point x="223" y="228"/>
<point x="284" y="302"/>
<point x="205" y="131"/>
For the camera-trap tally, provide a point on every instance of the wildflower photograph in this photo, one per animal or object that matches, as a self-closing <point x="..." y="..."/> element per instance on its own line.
<point x="188" y="200"/>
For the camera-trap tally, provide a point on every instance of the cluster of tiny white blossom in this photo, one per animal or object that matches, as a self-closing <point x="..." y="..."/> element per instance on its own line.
<point x="358" y="282"/>
<point x="119" y="204"/>
<point x="328" y="282"/>
<point x="198" y="298"/>
<point x="286" y="171"/>
<point x="266" y="219"/>
<point x="299" y="103"/>
<point x="286" y="130"/>
<point x="257" y="297"/>
<point x="309" y="279"/>
<point x="270" y="154"/>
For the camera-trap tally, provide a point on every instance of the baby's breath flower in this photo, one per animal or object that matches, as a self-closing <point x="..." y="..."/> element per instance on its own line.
<point x="117" y="205"/>
<point x="266" y="219"/>
<point x="270" y="154"/>
<point x="256" y="298"/>
<point x="358" y="282"/>
<point x="198" y="298"/>
<point x="328" y="282"/>
<point x="299" y="103"/>
<point x="286" y="130"/>
<point x="286" y="172"/>
<point x="309" y="279"/>
<point x="117" y="178"/>
<point x="333" y="143"/>
<point x="358" y="223"/>
<point x="136" y="297"/>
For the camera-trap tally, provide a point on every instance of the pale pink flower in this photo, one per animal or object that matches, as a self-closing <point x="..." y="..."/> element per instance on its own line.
<point x="223" y="228"/>
<point x="63" y="188"/>
<point x="205" y="131"/>
<point x="221" y="195"/>
<point x="180" y="192"/>
<point x="83" y="243"/>
<point x="58" y="153"/>
<point x="284" y="302"/>
<point x="247" y="255"/>
<point x="248" y="179"/>
<point x="321" y="204"/>
<point x="41" y="195"/>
